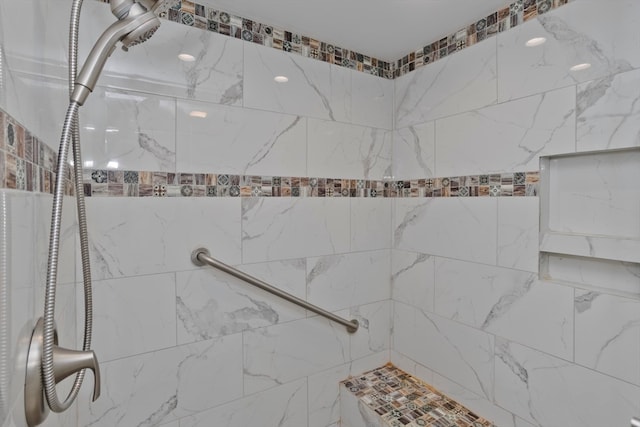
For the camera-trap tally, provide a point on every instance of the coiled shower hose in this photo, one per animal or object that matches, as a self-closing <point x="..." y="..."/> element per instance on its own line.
<point x="70" y="133"/>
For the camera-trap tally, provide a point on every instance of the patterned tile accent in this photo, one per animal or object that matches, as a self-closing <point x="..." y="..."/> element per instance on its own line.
<point x="211" y="19"/>
<point x="404" y="401"/>
<point x="98" y="183"/>
<point x="26" y="163"/>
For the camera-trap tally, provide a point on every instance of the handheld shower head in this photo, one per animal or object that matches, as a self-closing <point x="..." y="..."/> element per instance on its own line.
<point x="137" y="22"/>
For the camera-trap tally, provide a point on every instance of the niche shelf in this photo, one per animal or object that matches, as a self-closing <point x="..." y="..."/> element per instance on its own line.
<point x="590" y="220"/>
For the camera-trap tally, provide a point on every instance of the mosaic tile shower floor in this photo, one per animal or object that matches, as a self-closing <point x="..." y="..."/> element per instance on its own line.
<point x="402" y="400"/>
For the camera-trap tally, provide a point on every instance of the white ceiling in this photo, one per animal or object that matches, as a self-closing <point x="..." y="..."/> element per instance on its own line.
<point x="384" y="29"/>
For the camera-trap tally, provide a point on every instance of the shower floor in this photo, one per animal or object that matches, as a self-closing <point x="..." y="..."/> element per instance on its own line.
<point x="388" y="396"/>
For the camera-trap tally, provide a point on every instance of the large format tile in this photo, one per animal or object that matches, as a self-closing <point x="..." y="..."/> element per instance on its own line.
<point x="336" y="282"/>
<point x="370" y="223"/>
<point x="286" y="228"/>
<point x="166" y="385"/>
<point x="608" y="334"/>
<point x="211" y="303"/>
<point x="283" y="406"/>
<point x="349" y="151"/>
<point x="135" y="236"/>
<point x="448" y="86"/>
<point x="132" y="315"/>
<point x="413" y="279"/>
<point x="508" y="137"/>
<point x="414" y="153"/>
<point x="552" y="392"/>
<point x="371" y="100"/>
<point x="452" y="227"/>
<point x="239" y="141"/>
<point x="458" y="352"/>
<point x="310" y="90"/>
<point x="373" y="335"/>
<point x="589" y="31"/>
<point x="518" y="228"/>
<point x="508" y="303"/>
<point x="282" y="353"/>
<point x="134" y="130"/>
<point x="608" y="114"/>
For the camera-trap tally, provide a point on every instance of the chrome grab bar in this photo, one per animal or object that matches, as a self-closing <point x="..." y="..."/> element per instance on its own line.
<point x="635" y="422"/>
<point x="201" y="256"/>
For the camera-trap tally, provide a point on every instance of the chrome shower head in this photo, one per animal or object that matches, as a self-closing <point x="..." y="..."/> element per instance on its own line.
<point x="137" y="22"/>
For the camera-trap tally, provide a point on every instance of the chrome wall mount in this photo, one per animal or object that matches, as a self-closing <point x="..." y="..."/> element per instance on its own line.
<point x="65" y="363"/>
<point x="201" y="256"/>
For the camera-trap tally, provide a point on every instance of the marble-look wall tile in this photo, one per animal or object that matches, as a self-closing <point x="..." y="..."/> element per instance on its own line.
<point x="211" y="303"/>
<point x="283" y="406"/>
<point x="518" y="228"/>
<point x="132" y="315"/>
<point x="345" y="150"/>
<point x="410" y="366"/>
<point x="508" y="303"/>
<point x="595" y="194"/>
<point x="68" y="236"/>
<point x="371" y="100"/>
<point x="355" y="413"/>
<point x="612" y="276"/>
<point x="608" y="114"/>
<point x="481" y="406"/>
<point x="38" y="103"/>
<point x="134" y="130"/>
<point x="370" y="224"/>
<point x="608" y="334"/>
<point x="239" y="141"/>
<point x="451" y="227"/>
<point x="551" y="392"/>
<point x="414" y="151"/>
<point x="275" y="229"/>
<point x="413" y="279"/>
<point x="507" y="137"/>
<point x="373" y="336"/>
<point x="130" y="237"/>
<point x="18" y="216"/>
<point x="464" y="355"/>
<point x="448" y="86"/>
<point x="336" y="282"/>
<point x="282" y="353"/>
<point x="216" y="74"/>
<point x="588" y="31"/>
<point x="309" y="91"/>
<point x="324" y="387"/>
<point x="163" y="386"/>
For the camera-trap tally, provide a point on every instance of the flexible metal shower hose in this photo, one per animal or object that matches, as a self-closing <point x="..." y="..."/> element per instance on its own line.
<point x="70" y="132"/>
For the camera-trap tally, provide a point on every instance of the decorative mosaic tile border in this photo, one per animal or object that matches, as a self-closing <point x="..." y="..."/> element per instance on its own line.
<point x="116" y="183"/>
<point x="404" y="401"/>
<point x="208" y="18"/>
<point x="26" y="163"/>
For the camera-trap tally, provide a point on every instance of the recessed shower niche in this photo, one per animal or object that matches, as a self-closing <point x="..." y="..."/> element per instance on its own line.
<point x="590" y="220"/>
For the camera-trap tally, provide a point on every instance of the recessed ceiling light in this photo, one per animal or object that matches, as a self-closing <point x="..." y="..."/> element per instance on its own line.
<point x="88" y="163"/>
<point x="281" y="79"/>
<point x="198" y="114"/>
<point x="112" y="130"/>
<point x="536" y="41"/>
<point x="89" y="127"/>
<point x="112" y="164"/>
<point x="186" y="57"/>
<point x="580" y="67"/>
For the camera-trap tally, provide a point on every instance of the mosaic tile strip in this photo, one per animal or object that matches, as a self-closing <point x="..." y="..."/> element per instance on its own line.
<point x="115" y="183"/>
<point x="208" y="18"/>
<point x="404" y="401"/>
<point x="27" y="163"/>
